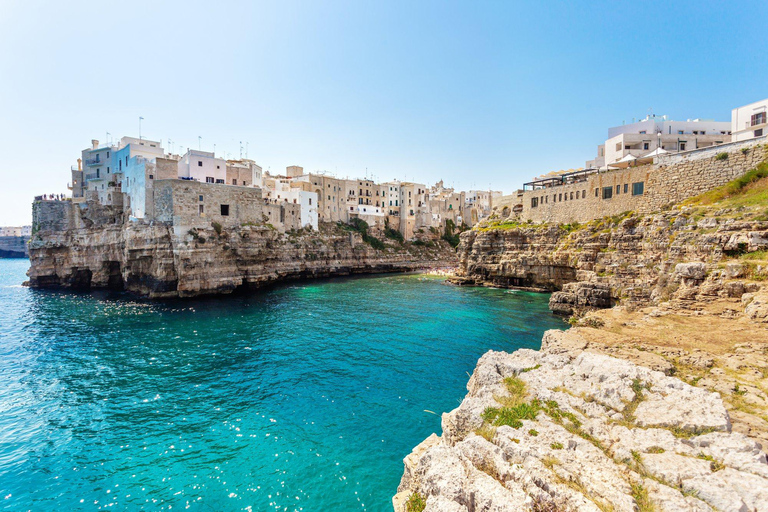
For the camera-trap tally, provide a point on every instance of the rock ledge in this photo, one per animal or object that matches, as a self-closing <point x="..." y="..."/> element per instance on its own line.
<point x="566" y="429"/>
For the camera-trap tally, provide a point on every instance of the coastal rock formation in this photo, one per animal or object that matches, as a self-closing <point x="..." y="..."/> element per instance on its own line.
<point x="567" y="429"/>
<point x="158" y="262"/>
<point x="636" y="260"/>
<point x="14" y="246"/>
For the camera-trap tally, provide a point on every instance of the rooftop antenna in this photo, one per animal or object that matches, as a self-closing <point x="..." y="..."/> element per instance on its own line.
<point x="170" y="146"/>
<point x="140" y="120"/>
<point x="214" y="150"/>
<point x="199" y="138"/>
<point x="241" y="150"/>
<point x="246" y="150"/>
<point x="107" y="138"/>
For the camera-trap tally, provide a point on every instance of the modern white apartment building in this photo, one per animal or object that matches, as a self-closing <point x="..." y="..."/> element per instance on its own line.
<point x="654" y="132"/>
<point x="750" y="121"/>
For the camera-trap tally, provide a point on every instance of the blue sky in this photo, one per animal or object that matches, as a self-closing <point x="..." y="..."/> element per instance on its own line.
<point x="477" y="93"/>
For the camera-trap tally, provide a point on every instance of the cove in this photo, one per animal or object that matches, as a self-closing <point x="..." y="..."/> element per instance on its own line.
<point x="303" y="397"/>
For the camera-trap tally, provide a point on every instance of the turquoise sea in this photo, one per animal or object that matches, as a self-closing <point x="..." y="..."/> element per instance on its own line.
<point x="303" y="397"/>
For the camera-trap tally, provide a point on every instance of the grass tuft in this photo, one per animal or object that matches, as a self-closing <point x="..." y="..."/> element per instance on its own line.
<point x="416" y="503"/>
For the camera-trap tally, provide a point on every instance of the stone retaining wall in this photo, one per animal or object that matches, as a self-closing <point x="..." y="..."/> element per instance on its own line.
<point x="692" y="174"/>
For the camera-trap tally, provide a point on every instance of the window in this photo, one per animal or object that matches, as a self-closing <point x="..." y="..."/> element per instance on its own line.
<point x="607" y="192"/>
<point x="218" y="167"/>
<point x="584" y="194"/>
<point x="200" y="209"/>
<point x="618" y="189"/>
<point x="120" y="164"/>
<point x="310" y="201"/>
<point x="107" y="154"/>
<point x="224" y="210"/>
<point x="209" y="179"/>
<point x="626" y="187"/>
<point x="596" y="192"/>
<point x="571" y="196"/>
<point x="646" y="145"/>
<point x="151" y="176"/>
<point x="560" y="198"/>
<point x="759" y="118"/>
<point x="637" y="188"/>
<point x="643" y="132"/>
<point x="679" y="132"/>
<point x="199" y="198"/>
<point x="534" y="202"/>
<point x="107" y="170"/>
<point x="199" y="163"/>
<point x="243" y="182"/>
<point x="682" y="145"/>
<point x="759" y="133"/>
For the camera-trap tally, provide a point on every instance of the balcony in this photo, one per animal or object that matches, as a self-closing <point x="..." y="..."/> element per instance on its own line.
<point x="93" y="176"/>
<point x="93" y="162"/>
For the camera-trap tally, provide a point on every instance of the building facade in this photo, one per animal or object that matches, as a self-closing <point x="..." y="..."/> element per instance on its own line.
<point x="750" y="121"/>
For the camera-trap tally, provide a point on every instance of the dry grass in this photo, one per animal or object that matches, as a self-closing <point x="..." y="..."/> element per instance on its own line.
<point x="748" y="190"/>
<point x="684" y="331"/>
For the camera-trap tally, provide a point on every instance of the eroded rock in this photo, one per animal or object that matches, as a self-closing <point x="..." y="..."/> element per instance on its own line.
<point x="605" y="434"/>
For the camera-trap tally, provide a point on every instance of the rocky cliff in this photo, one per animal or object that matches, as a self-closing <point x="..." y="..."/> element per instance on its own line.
<point x="629" y="258"/>
<point x="158" y="262"/>
<point x="14" y="246"/>
<point x="567" y="429"/>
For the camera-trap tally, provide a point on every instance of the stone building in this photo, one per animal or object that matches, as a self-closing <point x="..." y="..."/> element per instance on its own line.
<point x="586" y="195"/>
<point x="191" y="204"/>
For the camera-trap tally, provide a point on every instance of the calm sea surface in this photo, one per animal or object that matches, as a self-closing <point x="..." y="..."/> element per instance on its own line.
<point x="304" y="397"/>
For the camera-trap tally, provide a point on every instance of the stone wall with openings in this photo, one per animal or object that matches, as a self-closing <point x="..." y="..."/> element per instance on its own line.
<point x="194" y="204"/>
<point x="643" y="189"/>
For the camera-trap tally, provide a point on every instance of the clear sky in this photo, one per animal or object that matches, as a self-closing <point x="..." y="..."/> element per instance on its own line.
<point x="476" y="93"/>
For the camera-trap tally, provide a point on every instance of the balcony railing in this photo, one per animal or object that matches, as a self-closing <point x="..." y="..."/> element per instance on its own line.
<point x="93" y="176"/>
<point x="91" y="162"/>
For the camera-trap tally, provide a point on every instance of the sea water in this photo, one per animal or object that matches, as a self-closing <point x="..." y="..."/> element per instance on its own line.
<point x="306" y="396"/>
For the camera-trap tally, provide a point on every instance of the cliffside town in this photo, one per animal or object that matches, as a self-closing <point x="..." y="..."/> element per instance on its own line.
<point x="656" y="398"/>
<point x="160" y="261"/>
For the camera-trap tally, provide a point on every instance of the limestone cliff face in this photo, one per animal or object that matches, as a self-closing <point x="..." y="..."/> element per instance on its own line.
<point x="635" y="259"/>
<point x="567" y="429"/>
<point x="14" y="246"/>
<point x="155" y="261"/>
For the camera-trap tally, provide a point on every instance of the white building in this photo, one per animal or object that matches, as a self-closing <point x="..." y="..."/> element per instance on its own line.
<point x="750" y="121"/>
<point x="203" y="166"/>
<point x="640" y="138"/>
<point x="280" y="189"/>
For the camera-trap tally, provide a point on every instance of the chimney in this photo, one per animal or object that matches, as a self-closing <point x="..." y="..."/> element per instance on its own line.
<point x="79" y="164"/>
<point x="95" y="143"/>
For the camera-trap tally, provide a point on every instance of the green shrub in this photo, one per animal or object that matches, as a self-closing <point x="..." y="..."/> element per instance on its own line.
<point x="374" y="242"/>
<point x="360" y="226"/>
<point x="393" y="234"/>
<point x="216" y="227"/>
<point x="744" y="151"/>
<point x="556" y="446"/>
<point x="721" y="156"/>
<point x="512" y="416"/>
<point x="449" y="236"/>
<point x="416" y="503"/>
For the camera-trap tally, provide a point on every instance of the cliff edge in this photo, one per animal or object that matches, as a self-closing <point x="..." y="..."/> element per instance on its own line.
<point x="158" y="261"/>
<point x="568" y="429"/>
